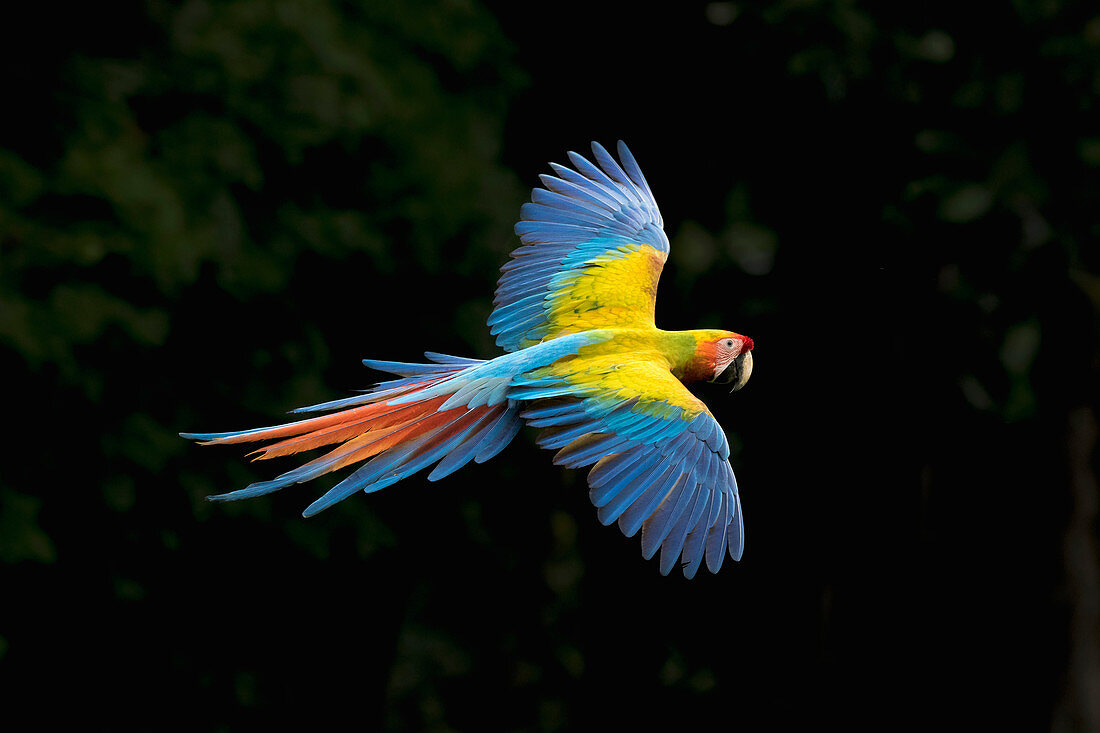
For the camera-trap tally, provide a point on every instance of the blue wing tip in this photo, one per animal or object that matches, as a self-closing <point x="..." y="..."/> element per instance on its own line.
<point x="317" y="507"/>
<point x="204" y="436"/>
<point x="312" y="509"/>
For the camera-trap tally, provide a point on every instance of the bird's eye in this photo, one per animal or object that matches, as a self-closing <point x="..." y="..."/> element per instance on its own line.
<point x="729" y="343"/>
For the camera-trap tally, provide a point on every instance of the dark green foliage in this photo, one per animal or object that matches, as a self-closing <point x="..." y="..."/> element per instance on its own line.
<point x="210" y="211"/>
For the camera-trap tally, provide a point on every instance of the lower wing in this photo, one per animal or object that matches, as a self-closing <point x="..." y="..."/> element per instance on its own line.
<point x="661" y="459"/>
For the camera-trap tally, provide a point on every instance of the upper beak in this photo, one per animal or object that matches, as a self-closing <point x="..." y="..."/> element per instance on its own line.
<point x="738" y="372"/>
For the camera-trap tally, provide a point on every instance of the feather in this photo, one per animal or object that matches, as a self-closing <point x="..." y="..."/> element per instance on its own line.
<point x="674" y="543"/>
<point x="570" y="183"/>
<point x="643" y="507"/>
<point x="610" y="467"/>
<point x="716" y="536"/>
<point x="633" y="169"/>
<point x="736" y="536"/>
<point x="555" y="438"/>
<point x="581" y="207"/>
<point x="563" y="215"/>
<point x="612" y="169"/>
<point x="536" y="393"/>
<point x="463" y="454"/>
<point x="630" y="487"/>
<point x="549" y="409"/>
<point x="693" y="544"/>
<point x="620" y="491"/>
<point x="406" y="369"/>
<point x="447" y="359"/>
<point x="656" y="529"/>
<point x="501" y="436"/>
<point x="591" y="448"/>
<point x="598" y="177"/>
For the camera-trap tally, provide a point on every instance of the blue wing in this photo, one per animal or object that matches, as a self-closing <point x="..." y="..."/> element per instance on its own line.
<point x="659" y="469"/>
<point x="593" y="249"/>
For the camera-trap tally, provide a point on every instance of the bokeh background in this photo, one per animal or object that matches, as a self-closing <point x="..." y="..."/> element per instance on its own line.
<point x="211" y="211"/>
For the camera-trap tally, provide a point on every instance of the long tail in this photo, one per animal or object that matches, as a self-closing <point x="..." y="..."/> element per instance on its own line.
<point x="444" y="411"/>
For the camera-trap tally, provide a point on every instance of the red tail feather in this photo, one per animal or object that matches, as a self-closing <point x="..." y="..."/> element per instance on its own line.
<point x="315" y="425"/>
<point x="356" y="422"/>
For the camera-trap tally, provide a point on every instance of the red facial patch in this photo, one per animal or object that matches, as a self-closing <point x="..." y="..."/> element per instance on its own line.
<point x="746" y="345"/>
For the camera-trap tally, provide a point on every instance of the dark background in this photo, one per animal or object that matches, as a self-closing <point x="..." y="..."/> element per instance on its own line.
<point x="209" y="212"/>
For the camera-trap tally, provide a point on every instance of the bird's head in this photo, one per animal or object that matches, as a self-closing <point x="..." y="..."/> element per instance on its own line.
<point x="726" y="358"/>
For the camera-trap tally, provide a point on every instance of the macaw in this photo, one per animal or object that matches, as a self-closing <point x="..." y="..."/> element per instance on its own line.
<point x="584" y="361"/>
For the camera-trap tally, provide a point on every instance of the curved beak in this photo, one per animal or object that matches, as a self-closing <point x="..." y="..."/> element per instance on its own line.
<point x="738" y="372"/>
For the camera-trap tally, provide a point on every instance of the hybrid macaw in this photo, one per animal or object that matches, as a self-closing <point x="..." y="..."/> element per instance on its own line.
<point x="574" y="312"/>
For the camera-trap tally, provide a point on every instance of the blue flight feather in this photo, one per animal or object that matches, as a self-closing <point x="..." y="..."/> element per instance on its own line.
<point x="603" y="495"/>
<point x="606" y="472"/>
<point x="630" y="488"/>
<point x="660" y="523"/>
<point x="463" y="454"/>
<point x="586" y="454"/>
<point x="716" y="537"/>
<point x="500" y="437"/>
<point x="644" y="506"/>
<point x="672" y="546"/>
<point x="736" y="532"/>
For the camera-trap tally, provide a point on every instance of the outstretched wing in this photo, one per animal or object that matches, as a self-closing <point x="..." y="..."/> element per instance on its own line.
<point x="661" y="459"/>
<point x="593" y="249"/>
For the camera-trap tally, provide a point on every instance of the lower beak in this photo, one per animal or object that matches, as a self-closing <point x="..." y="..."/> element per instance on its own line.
<point x="738" y="372"/>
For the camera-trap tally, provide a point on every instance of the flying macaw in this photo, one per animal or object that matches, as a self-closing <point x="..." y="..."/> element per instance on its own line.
<point x="574" y="312"/>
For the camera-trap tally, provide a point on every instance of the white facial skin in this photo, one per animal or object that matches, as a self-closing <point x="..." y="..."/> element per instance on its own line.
<point x="728" y="349"/>
<point x="729" y="357"/>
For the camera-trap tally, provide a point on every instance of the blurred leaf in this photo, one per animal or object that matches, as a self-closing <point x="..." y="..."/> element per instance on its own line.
<point x="1089" y="150"/>
<point x="693" y="249"/>
<point x="21" y="538"/>
<point x="20" y="183"/>
<point x="976" y="393"/>
<point x="1021" y="345"/>
<point x="1089" y="284"/>
<point x="966" y="204"/>
<point x="935" y="46"/>
<point x="751" y="246"/>
<point x="722" y="13"/>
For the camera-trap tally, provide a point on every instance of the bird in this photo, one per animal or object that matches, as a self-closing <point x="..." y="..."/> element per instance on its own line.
<point x="583" y="361"/>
